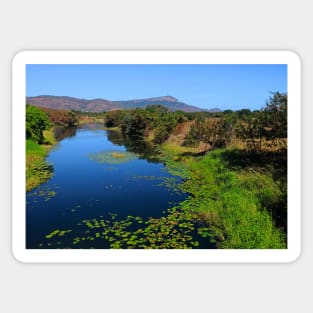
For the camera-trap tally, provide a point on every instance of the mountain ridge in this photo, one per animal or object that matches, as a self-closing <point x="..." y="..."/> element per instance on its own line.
<point x="104" y="105"/>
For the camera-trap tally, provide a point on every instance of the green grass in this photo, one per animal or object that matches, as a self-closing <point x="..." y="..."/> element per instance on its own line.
<point x="49" y="137"/>
<point x="37" y="170"/>
<point x="34" y="148"/>
<point x="230" y="196"/>
<point x="176" y="150"/>
<point x="225" y="207"/>
<point x="232" y="204"/>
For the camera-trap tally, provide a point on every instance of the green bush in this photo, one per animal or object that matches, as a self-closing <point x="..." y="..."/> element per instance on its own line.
<point x="36" y="122"/>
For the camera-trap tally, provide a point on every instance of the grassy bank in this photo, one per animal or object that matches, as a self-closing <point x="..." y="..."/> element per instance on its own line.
<point x="234" y="205"/>
<point x="237" y="195"/>
<point x="37" y="170"/>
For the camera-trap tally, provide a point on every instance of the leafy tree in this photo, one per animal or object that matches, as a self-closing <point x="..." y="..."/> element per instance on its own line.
<point x="276" y="116"/>
<point x="252" y="129"/>
<point x="61" y="117"/>
<point x="213" y="131"/>
<point x="244" y="114"/>
<point x="162" y="133"/>
<point x="135" y="123"/>
<point x="268" y="124"/>
<point x="157" y="109"/>
<point x="36" y="122"/>
<point x="114" y="118"/>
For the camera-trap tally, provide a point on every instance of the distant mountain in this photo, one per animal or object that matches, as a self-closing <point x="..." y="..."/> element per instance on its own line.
<point x="101" y="105"/>
<point x="69" y="103"/>
<point x="213" y="110"/>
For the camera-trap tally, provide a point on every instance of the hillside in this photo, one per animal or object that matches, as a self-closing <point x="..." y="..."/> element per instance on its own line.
<point x="100" y="105"/>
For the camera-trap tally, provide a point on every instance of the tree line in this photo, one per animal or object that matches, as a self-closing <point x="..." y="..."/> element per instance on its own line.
<point x="258" y="129"/>
<point x="40" y="119"/>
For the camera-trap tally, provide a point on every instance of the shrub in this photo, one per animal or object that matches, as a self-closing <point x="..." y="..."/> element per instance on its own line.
<point x="36" y="122"/>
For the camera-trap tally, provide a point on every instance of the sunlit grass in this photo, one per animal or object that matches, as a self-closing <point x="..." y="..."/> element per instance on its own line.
<point x="232" y="204"/>
<point x="49" y="137"/>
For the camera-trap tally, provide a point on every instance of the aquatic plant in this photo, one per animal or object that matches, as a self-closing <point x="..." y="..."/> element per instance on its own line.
<point x="175" y="230"/>
<point x="113" y="157"/>
<point x="58" y="232"/>
<point x="43" y="193"/>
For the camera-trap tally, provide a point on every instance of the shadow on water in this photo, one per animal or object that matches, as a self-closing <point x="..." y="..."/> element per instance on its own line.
<point x="136" y="144"/>
<point x="61" y="133"/>
<point x="88" y="194"/>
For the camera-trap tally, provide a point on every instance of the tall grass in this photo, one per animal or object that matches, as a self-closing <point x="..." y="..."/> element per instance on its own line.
<point x="233" y="205"/>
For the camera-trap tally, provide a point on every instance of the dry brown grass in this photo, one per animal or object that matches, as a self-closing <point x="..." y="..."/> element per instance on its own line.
<point x="179" y="134"/>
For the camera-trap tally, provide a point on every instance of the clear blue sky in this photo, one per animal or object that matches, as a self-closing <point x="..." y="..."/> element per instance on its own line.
<point x="206" y="86"/>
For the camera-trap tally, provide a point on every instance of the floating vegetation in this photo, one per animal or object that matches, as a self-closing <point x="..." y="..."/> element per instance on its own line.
<point x="57" y="232"/>
<point x="44" y="193"/>
<point x="113" y="157"/>
<point x="176" y="230"/>
<point x="172" y="183"/>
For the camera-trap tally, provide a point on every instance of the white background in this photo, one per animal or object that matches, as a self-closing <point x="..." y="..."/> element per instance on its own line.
<point x="160" y="24"/>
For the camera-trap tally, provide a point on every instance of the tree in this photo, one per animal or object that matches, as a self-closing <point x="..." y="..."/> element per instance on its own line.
<point x="252" y="129"/>
<point x="61" y="117"/>
<point x="276" y="116"/>
<point x="135" y="123"/>
<point x="269" y="123"/>
<point x="36" y="122"/>
<point x="114" y="118"/>
<point x="214" y="131"/>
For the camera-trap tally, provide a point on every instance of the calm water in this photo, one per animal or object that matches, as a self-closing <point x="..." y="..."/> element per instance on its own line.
<point x="96" y="173"/>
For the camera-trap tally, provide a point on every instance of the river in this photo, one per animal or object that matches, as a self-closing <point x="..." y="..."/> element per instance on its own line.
<point x="99" y="175"/>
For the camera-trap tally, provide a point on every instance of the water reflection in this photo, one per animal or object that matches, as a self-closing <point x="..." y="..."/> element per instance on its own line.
<point x="97" y="173"/>
<point x="64" y="132"/>
<point x="136" y="144"/>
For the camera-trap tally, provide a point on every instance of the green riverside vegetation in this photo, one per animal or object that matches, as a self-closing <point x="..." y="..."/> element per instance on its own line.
<point x="231" y="204"/>
<point x="233" y="166"/>
<point x="39" y="140"/>
<point x="37" y="170"/>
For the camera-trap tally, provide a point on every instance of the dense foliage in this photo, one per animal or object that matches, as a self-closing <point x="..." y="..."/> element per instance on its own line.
<point x="239" y="192"/>
<point x="256" y="129"/>
<point x="235" y="206"/>
<point x="61" y="117"/>
<point x="154" y="118"/>
<point x="40" y="129"/>
<point x="267" y="126"/>
<point x="36" y="122"/>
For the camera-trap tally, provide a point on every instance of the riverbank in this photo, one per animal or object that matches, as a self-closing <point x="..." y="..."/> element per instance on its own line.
<point x="231" y="204"/>
<point x="237" y="197"/>
<point x="38" y="170"/>
<point x="234" y="205"/>
<point x="85" y="119"/>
